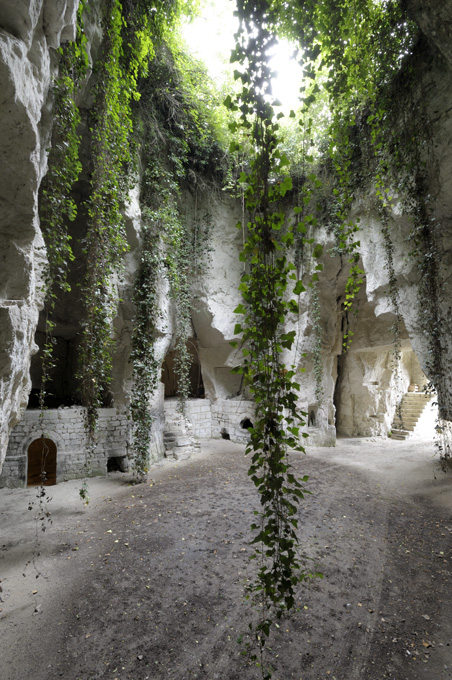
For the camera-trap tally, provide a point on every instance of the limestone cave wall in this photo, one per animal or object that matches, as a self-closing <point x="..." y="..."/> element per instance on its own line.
<point x="360" y="387"/>
<point x="30" y="31"/>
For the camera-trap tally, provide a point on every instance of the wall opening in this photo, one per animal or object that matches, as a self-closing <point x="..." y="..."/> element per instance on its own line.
<point x="117" y="464"/>
<point x="246" y="423"/>
<point x="169" y="376"/>
<point x="42" y="462"/>
<point x="312" y="415"/>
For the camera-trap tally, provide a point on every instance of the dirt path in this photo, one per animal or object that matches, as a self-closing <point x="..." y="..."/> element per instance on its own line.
<point x="147" y="582"/>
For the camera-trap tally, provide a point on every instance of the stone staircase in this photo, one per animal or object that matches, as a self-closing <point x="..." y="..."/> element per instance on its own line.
<point x="177" y="438"/>
<point x="412" y="406"/>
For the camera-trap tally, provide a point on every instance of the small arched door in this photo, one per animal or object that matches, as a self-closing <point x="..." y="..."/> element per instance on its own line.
<point x="42" y="458"/>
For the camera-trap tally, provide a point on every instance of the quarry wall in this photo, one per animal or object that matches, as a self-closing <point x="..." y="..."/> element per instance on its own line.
<point x="360" y="387"/>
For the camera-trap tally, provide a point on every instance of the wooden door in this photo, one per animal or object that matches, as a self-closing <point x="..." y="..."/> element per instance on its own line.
<point x="42" y="458"/>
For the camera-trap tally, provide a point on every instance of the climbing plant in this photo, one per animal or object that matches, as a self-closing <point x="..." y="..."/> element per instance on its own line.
<point x="130" y="30"/>
<point x="353" y="56"/>
<point x="268" y="287"/>
<point x="317" y="362"/>
<point x="394" y="298"/>
<point x="181" y="156"/>
<point x="145" y="364"/>
<point x="105" y="242"/>
<point x="57" y="206"/>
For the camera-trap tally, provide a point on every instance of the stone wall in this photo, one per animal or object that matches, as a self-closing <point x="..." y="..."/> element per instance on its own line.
<point x="230" y="418"/>
<point x="198" y="412"/>
<point x="65" y="427"/>
<point x="29" y="32"/>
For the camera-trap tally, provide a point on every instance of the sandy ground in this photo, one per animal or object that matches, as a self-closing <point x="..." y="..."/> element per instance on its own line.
<point x="147" y="581"/>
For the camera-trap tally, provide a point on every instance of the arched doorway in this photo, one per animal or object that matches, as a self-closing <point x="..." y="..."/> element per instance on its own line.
<point x="42" y="459"/>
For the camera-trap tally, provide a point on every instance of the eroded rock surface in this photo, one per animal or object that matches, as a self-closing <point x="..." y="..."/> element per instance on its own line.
<point x="361" y="388"/>
<point x="29" y="29"/>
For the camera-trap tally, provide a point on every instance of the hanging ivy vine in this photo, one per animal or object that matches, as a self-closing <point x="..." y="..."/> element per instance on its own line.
<point x="145" y="364"/>
<point x="105" y="242"/>
<point x="57" y="206"/>
<point x="317" y="362"/>
<point x="353" y="56"/>
<point x="180" y="152"/>
<point x="394" y="298"/>
<point x="268" y="287"/>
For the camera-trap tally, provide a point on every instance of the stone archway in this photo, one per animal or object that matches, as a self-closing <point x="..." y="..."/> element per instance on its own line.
<point x="41" y="462"/>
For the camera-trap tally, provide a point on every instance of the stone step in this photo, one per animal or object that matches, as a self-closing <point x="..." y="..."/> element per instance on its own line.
<point x="168" y="438"/>
<point x="411" y="413"/>
<point x="399" y="434"/>
<point x="411" y="409"/>
<point x="404" y="424"/>
<point x="416" y="398"/>
<point x="418" y="408"/>
<point x="183" y="441"/>
<point x="408" y="416"/>
<point x="415" y="404"/>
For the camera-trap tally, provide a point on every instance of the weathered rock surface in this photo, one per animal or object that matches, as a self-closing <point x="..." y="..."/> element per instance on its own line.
<point x="28" y="31"/>
<point x="361" y="388"/>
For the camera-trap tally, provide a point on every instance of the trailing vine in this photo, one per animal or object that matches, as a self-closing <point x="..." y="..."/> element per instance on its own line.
<point x="179" y="150"/>
<point x="267" y="287"/>
<point x="130" y="30"/>
<point x="145" y="365"/>
<point x="409" y="168"/>
<point x="394" y="298"/>
<point x="353" y="53"/>
<point x="57" y="205"/>
<point x="317" y="362"/>
<point x="105" y="242"/>
<point x="57" y="208"/>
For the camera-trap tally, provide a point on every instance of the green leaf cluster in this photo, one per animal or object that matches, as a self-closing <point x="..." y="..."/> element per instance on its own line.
<point x="268" y="287"/>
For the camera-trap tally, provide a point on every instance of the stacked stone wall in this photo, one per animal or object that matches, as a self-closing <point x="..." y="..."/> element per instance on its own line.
<point x="65" y="426"/>
<point x="198" y="412"/>
<point x="228" y="416"/>
<point x="217" y="419"/>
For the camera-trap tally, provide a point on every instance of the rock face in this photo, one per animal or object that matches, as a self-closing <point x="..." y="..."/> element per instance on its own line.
<point x="354" y="394"/>
<point x="375" y="311"/>
<point x="29" y="29"/>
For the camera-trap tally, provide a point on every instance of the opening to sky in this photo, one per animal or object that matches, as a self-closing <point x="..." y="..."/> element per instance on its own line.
<point x="211" y="38"/>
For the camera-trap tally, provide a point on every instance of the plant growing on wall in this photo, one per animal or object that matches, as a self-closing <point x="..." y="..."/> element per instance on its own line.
<point x="105" y="242"/>
<point x="317" y="362"/>
<point x="145" y="365"/>
<point x="57" y="206"/>
<point x="393" y="296"/>
<point x="129" y="32"/>
<point x="352" y="54"/>
<point x="179" y="152"/>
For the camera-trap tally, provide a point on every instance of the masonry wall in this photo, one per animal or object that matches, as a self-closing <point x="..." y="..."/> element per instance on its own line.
<point x="65" y="427"/>
<point x="197" y="411"/>
<point x="228" y="418"/>
<point x="214" y="419"/>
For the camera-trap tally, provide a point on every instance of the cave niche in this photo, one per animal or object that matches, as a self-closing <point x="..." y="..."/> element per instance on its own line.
<point x="169" y="375"/>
